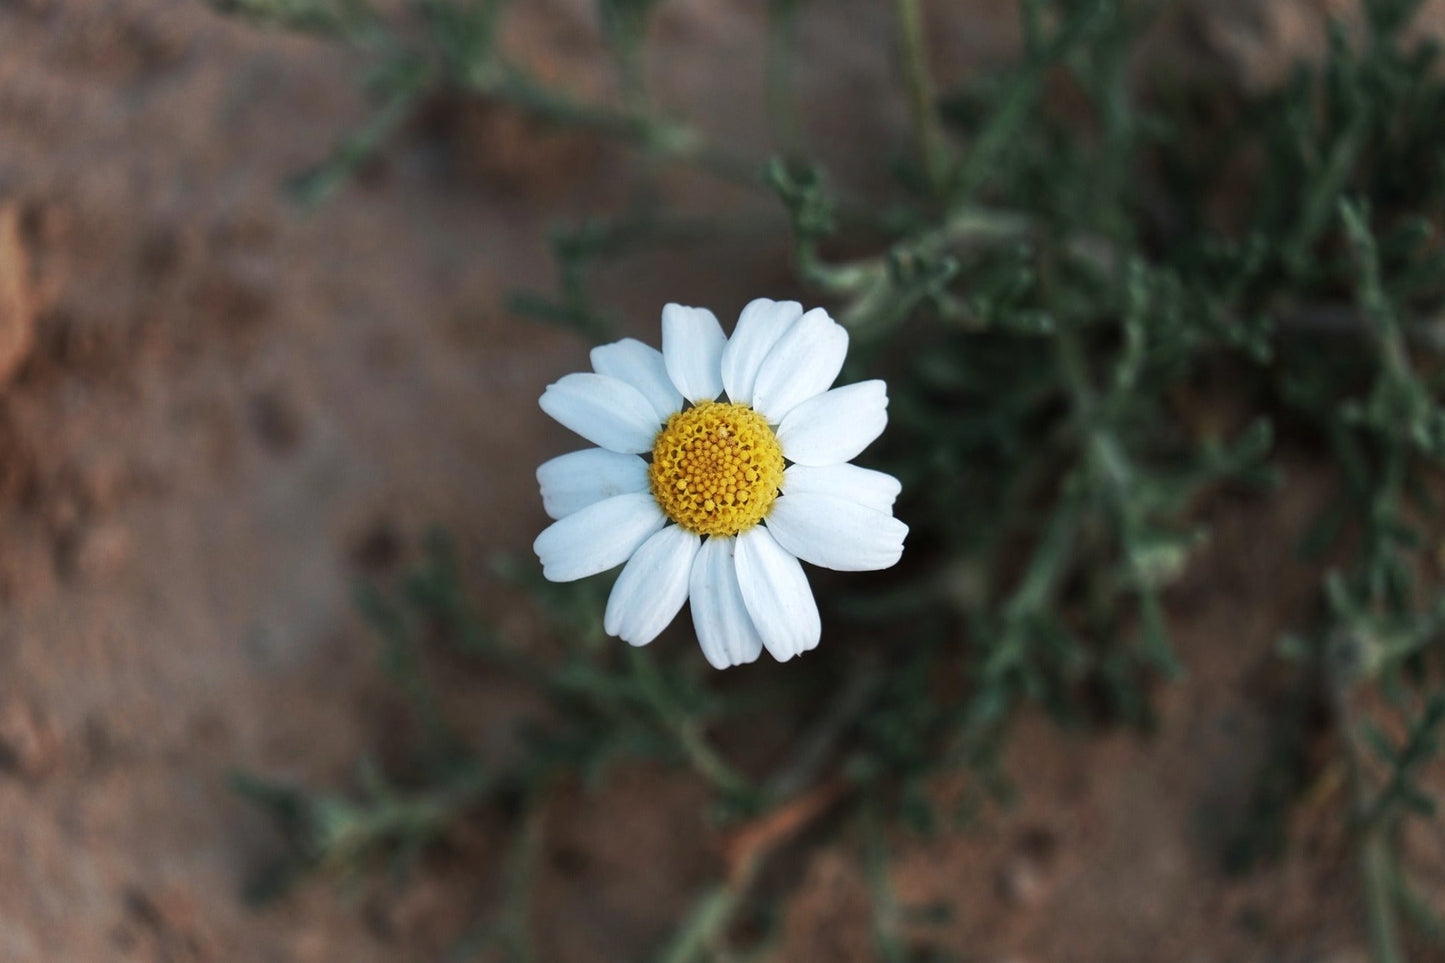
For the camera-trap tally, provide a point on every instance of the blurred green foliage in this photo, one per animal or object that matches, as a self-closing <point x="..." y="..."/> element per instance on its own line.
<point x="1076" y="246"/>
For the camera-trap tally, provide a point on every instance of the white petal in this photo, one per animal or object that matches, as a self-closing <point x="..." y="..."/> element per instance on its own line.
<point x="605" y="411"/>
<point x="805" y="362"/>
<point x="692" y="345"/>
<point x="598" y="537"/>
<point x="834" y="427"/>
<point x="580" y="478"/>
<point x="652" y="586"/>
<point x="776" y="594"/>
<point x="835" y="533"/>
<point x="724" y="629"/>
<point x="641" y="366"/>
<point x="872" y="489"/>
<point x="759" y="327"/>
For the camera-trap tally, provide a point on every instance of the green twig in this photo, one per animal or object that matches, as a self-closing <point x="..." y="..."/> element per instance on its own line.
<point x="783" y="117"/>
<point x="1376" y="859"/>
<point x="919" y="82"/>
<point x="709" y="917"/>
<point x="684" y="727"/>
<point x="886" y="913"/>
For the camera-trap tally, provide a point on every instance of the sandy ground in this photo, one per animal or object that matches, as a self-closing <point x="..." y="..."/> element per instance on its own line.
<point x="214" y="403"/>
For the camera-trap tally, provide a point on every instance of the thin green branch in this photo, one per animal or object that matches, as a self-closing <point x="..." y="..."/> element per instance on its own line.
<point x="784" y="119"/>
<point x="919" y="82"/>
<point x="1375" y="856"/>
<point x="684" y="727"/>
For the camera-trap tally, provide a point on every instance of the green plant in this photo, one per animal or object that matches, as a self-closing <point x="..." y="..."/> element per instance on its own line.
<point x="1043" y="284"/>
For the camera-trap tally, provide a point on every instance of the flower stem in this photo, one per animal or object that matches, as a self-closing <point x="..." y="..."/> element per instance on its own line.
<point x="1377" y="872"/>
<point x="920" y="93"/>
<point x="783" y="117"/>
<point x="703" y="757"/>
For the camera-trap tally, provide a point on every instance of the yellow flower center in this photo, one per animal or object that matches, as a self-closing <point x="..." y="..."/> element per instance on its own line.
<point x="716" y="468"/>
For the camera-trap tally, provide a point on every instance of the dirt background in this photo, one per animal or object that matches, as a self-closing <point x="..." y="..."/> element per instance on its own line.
<point x="218" y="410"/>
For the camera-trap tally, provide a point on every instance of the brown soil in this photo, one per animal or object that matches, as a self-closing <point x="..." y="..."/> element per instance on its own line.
<point x="218" y="410"/>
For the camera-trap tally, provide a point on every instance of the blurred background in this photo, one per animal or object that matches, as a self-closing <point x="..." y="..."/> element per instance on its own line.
<point x="280" y="284"/>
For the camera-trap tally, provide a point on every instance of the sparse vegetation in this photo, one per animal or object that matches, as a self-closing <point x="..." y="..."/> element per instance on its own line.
<point x="1046" y="289"/>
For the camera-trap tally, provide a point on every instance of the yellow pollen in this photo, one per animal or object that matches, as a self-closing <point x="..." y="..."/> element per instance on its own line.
<point x="716" y="468"/>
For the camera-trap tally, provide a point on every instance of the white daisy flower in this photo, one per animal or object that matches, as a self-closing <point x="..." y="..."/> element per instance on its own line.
<point x="715" y="501"/>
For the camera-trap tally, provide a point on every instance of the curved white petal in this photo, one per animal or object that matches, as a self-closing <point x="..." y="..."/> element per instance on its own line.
<point x="833" y="427"/>
<point x="692" y="346"/>
<point x="835" y="533"/>
<point x="577" y="479"/>
<point x="776" y="594"/>
<point x="759" y="327"/>
<point x="805" y="362"/>
<point x="872" y="489"/>
<point x="652" y="587"/>
<point x="641" y="366"/>
<point x="601" y="536"/>
<point x="724" y="629"/>
<point x="607" y="412"/>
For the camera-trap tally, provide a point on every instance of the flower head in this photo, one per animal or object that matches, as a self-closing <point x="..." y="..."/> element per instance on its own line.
<point x="720" y="463"/>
